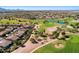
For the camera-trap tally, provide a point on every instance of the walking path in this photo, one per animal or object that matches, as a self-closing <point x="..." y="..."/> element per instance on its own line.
<point x="43" y="45"/>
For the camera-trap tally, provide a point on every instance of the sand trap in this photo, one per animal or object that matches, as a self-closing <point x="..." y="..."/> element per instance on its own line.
<point x="59" y="45"/>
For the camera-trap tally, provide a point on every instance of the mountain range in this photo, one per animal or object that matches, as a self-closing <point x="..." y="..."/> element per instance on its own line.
<point x="5" y="10"/>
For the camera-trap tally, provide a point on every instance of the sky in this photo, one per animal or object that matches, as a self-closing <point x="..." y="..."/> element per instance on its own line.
<point x="42" y="7"/>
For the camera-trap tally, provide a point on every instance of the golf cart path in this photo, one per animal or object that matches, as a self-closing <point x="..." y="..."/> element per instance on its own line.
<point x="43" y="45"/>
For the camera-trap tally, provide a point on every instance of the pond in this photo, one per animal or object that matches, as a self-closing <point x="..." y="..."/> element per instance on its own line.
<point x="50" y="20"/>
<point x="61" y="22"/>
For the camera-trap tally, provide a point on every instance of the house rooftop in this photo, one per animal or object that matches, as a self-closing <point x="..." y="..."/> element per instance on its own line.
<point x="5" y="43"/>
<point x="16" y="35"/>
<point x="5" y="31"/>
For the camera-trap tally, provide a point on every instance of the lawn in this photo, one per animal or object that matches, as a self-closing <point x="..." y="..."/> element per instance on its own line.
<point x="71" y="46"/>
<point x="47" y="49"/>
<point x="74" y="38"/>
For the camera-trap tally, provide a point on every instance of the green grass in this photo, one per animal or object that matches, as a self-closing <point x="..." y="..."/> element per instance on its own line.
<point x="71" y="46"/>
<point x="74" y="38"/>
<point x="49" y="24"/>
<point x="46" y="49"/>
<point x="49" y="48"/>
<point x="6" y="21"/>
